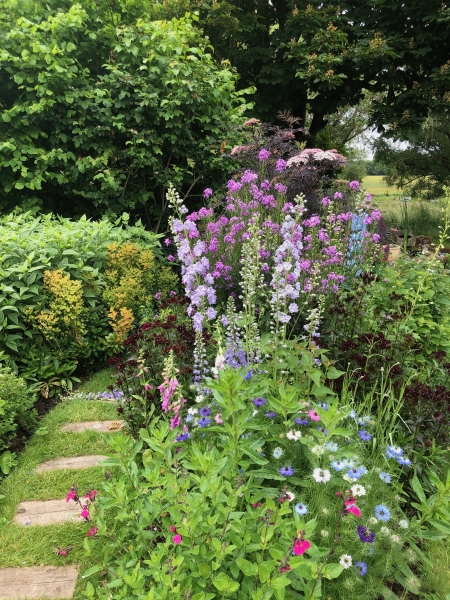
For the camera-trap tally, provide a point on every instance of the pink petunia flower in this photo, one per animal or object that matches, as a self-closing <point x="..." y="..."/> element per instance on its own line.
<point x="313" y="415"/>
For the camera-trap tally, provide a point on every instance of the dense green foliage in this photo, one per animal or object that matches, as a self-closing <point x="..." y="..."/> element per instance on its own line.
<point x="16" y="408"/>
<point x="99" y="111"/>
<point x="58" y="291"/>
<point x="422" y="168"/>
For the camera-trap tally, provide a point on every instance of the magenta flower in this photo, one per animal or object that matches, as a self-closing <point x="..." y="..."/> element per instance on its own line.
<point x="313" y="415"/>
<point x="177" y="539"/>
<point x="263" y="155"/>
<point x="281" y="165"/>
<point x="92" y="531"/>
<point x="353" y="185"/>
<point x="167" y="242"/>
<point x="70" y="496"/>
<point x="85" y="512"/>
<point x="207" y="193"/>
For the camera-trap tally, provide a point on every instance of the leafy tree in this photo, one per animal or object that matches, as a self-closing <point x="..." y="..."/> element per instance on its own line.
<point x="305" y="55"/>
<point x="99" y="113"/>
<point x="423" y="167"/>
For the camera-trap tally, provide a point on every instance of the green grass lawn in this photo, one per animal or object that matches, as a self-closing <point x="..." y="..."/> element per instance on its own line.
<point x="35" y="545"/>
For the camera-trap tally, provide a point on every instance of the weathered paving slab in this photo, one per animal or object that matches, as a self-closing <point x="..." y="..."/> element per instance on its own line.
<point x="74" y="462"/>
<point x="102" y="426"/>
<point x="38" y="582"/>
<point x="46" y="512"/>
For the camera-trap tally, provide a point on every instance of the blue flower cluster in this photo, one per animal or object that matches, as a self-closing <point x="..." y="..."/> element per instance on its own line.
<point x="396" y="453"/>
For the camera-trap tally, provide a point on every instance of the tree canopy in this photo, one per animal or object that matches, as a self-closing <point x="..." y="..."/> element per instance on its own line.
<point x="99" y="111"/>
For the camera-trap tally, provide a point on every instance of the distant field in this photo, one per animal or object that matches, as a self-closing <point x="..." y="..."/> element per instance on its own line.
<point x="377" y="187"/>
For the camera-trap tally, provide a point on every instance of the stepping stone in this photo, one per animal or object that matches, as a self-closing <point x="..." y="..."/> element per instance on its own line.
<point x="38" y="582"/>
<point x="46" y="512"/>
<point x="75" y="462"/>
<point x="103" y="426"/>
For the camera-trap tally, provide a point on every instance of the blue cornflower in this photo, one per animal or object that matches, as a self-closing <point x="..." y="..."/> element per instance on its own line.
<point x="302" y="421"/>
<point x="301" y="509"/>
<point x="182" y="437"/>
<point x="361" y="568"/>
<point x="382" y="513"/>
<point x="287" y="471"/>
<point x="204" y="422"/>
<point x="355" y="473"/>
<point x="365" y="435"/>
<point x="259" y="401"/>
<point x="205" y="411"/>
<point x="339" y="465"/>
<point x="385" y="477"/>
<point x="332" y="446"/>
<point x="394" y="452"/>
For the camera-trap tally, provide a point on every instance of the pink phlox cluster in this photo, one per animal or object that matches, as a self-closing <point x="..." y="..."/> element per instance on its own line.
<point x="313" y="221"/>
<point x="282" y="189"/>
<point x="248" y="176"/>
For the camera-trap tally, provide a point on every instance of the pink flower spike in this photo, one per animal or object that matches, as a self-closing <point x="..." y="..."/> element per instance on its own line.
<point x="70" y="496"/>
<point x="177" y="539"/>
<point x="313" y="415"/>
<point x="218" y="420"/>
<point x="300" y="547"/>
<point x="173" y="529"/>
<point x="354" y="510"/>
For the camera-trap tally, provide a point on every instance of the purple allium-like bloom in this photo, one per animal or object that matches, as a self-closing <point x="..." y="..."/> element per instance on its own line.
<point x="204" y="422"/>
<point x="259" y="401"/>
<point x="264" y="154"/>
<point x="205" y="411"/>
<point x="353" y="185"/>
<point x="366" y="535"/>
<point x="287" y="471"/>
<point x="207" y="193"/>
<point x="281" y="165"/>
<point x="365" y="435"/>
<point x="361" y="568"/>
<point x="302" y="421"/>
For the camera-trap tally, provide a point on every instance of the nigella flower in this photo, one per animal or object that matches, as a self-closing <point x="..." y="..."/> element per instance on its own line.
<point x="385" y="477"/>
<point x="271" y="415"/>
<point x="382" y="513"/>
<point x="366" y="535"/>
<point x="394" y="452"/>
<point x="355" y="473"/>
<point x="277" y="453"/>
<point x="286" y="471"/>
<point x="339" y="465"/>
<point x="205" y="411"/>
<point x="263" y="155"/>
<point x="323" y="405"/>
<point x="182" y="437"/>
<point x="365" y="435"/>
<point x="406" y="462"/>
<point x="361" y="568"/>
<point x="259" y="401"/>
<point x="204" y="422"/>
<point x="332" y="446"/>
<point x="301" y="509"/>
<point x="302" y="421"/>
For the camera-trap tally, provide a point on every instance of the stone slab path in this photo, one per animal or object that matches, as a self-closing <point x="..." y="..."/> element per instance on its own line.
<point x="46" y="512"/>
<point x="38" y="582"/>
<point x="102" y="426"/>
<point x="75" y="462"/>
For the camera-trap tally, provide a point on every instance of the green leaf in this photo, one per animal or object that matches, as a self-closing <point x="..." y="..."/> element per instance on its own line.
<point x="416" y="486"/>
<point x="332" y="571"/>
<point x="205" y="570"/>
<point x="248" y="568"/>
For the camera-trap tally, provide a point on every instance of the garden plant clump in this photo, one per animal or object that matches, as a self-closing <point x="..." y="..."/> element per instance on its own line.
<point x="261" y="468"/>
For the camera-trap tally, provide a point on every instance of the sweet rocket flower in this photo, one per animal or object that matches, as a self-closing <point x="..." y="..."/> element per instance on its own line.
<point x="385" y="477"/>
<point x="281" y="165"/>
<point x="361" y="568"/>
<point x="353" y="185"/>
<point x="326" y="201"/>
<point x="263" y="154"/>
<point x="313" y="415"/>
<point x="338" y="196"/>
<point x="286" y="471"/>
<point x="259" y="401"/>
<point x="301" y="509"/>
<point x="321" y="475"/>
<point x="207" y="193"/>
<point x="177" y="539"/>
<point x="365" y="535"/>
<point x="382" y="513"/>
<point x="277" y="453"/>
<point x="345" y="561"/>
<point x="300" y="547"/>
<point x="167" y="241"/>
<point x="365" y="435"/>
